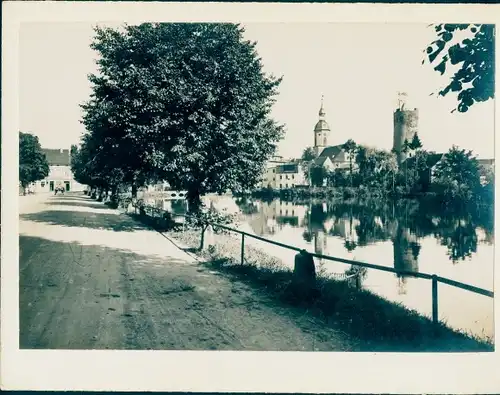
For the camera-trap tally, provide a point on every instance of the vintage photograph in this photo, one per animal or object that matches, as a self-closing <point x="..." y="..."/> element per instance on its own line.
<point x="256" y="186"/>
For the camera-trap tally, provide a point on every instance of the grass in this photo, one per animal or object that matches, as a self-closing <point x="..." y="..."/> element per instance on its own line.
<point x="380" y="324"/>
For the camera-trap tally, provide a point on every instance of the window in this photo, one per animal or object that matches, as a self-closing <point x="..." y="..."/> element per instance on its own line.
<point x="43" y="184"/>
<point x="286" y="186"/>
<point x="293" y="176"/>
<point x="293" y="212"/>
<point x="286" y="212"/>
<point x="281" y="177"/>
<point x="281" y="186"/>
<point x="274" y="170"/>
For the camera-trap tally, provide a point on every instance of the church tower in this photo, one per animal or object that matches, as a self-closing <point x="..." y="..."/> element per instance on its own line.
<point x="321" y="132"/>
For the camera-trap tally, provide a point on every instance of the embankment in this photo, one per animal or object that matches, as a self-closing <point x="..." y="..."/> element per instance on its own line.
<point x="378" y="324"/>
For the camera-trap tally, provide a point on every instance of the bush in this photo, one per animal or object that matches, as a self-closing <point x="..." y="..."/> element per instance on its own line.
<point x="205" y="217"/>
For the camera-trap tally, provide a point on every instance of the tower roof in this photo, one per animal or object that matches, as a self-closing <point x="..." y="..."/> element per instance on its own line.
<point x="321" y="125"/>
<point x="322" y="112"/>
<point x="57" y="157"/>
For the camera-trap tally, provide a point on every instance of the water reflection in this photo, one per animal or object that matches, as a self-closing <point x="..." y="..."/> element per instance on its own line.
<point x="404" y="224"/>
<point x="406" y="235"/>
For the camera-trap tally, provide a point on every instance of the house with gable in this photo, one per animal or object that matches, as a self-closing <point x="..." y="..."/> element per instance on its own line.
<point x="433" y="159"/>
<point x="426" y="177"/>
<point x="60" y="173"/>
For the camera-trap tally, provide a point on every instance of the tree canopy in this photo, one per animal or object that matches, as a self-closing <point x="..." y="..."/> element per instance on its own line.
<point x="458" y="174"/>
<point x="33" y="165"/>
<point x="186" y="103"/>
<point x="474" y="56"/>
<point x="307" y="158"/>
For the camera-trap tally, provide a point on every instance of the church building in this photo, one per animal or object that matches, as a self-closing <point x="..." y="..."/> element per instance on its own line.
<point x="330" y="157"/>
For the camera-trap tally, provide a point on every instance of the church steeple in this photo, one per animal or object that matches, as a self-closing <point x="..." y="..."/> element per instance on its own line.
<point x="322" y="112"/>
<point x="321" y="130"/>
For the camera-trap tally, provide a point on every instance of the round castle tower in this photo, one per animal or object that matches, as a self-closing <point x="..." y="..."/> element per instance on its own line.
<point x="405" y="127"/>
<point x="321" y="132"/>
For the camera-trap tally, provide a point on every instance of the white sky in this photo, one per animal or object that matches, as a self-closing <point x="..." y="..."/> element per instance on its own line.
<point x="358" y="68"/>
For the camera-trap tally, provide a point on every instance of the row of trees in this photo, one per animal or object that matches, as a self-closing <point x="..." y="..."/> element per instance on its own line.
<point x="457" y="175"/>
<point x="33" y="165"/>
<point x="188" y="104"/>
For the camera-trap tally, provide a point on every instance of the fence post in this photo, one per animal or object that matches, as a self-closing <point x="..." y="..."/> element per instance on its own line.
<point x="435" y="318"/>
<point x="242" y="248"/>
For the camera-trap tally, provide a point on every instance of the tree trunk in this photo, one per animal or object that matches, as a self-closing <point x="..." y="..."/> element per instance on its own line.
<point x="194" y="202"/>
<point x="202" y="238"/>
<point x="350" y="169"/>
<point x="134" y="190"/>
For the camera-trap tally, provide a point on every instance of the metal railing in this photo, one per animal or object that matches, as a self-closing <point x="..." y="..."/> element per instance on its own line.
<point x="433" y="277"/>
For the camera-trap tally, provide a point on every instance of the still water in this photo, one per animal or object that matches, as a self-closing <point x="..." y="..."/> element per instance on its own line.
<point x="405" y="236"/>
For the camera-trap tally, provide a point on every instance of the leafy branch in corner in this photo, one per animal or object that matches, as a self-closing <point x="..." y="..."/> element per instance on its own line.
<point x="474" y="79"/>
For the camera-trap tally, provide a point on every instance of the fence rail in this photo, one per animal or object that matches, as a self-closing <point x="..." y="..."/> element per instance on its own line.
<point x="433" y="277"/>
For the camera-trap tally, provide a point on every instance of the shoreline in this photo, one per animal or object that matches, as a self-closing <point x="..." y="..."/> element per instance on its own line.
<point x="358" y="312"/>
<point x="343" y="194"/>
<point x="375" y="321"/>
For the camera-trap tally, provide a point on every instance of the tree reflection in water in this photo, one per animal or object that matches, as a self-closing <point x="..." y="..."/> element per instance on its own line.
<point x="361" y="224"/>
<point x="350" y="245"/>
<point x="459" y="237"/>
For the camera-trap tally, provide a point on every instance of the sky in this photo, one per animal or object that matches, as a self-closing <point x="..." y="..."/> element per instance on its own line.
<point x="358" y="68"/>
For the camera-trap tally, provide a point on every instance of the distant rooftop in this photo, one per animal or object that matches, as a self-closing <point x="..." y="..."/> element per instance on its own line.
<point x="432" y="159"/>
<point x="486" y="161"/>
<point x="57" y="157"/>
<point x="288" y="168"/>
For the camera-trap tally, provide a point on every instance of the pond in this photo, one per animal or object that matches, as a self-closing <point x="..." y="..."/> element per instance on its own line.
<point x="404" y="235"/>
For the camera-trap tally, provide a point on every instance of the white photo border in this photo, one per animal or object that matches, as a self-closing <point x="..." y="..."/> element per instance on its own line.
<point x="216" y="371"/>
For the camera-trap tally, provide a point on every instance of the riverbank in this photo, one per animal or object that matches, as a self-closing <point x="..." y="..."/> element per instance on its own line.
<point x="382" y="325"/>
<point x="378" y="323"/>
<point x="301" y="193"/>
<point x="365" y="193"/>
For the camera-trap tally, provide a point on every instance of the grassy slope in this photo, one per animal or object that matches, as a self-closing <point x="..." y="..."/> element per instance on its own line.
<point x="379" y="324"/>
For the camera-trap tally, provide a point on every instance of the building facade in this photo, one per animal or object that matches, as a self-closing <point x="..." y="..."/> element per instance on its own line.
<point x="286" y="175"/>
<point x="405" y="128"/>
<point x="60" y="173"/>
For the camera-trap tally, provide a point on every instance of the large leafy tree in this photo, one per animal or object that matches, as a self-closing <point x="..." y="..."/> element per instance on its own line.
<point x="306" y="163"/>
<point x="186" y="103"/>
<point x="318" y="174"/>
<point x="33" y="165"/>
<point x="350" y="147"/>
<point x="458" y="175"/>
<point x="473" y="56"/>
<point x="376" y="167"/>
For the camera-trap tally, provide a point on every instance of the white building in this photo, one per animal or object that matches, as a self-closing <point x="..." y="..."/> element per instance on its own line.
<point x="284" y="176"/>
<point x="60" y="173"/>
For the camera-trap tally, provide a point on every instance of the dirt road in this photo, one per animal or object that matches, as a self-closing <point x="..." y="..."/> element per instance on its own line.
<point x="92" y="278"/>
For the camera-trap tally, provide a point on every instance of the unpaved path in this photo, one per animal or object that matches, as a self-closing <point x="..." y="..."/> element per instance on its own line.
<point x="92" y="278"/>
